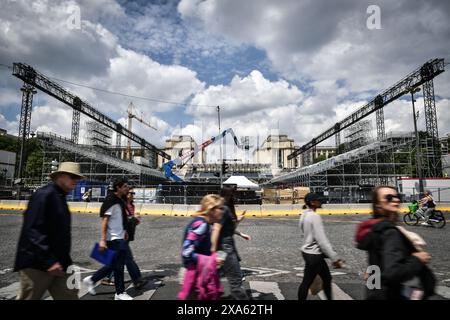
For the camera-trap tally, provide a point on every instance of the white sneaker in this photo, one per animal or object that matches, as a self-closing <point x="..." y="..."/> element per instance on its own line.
<point x="122" y="296"/>
<point x="89" y="285"/>
<point x="424" y="224"/>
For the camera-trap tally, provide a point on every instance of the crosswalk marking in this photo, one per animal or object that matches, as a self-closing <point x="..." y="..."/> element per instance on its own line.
<point x="333" y="273"/>
<point x="10" y="292"/>
<point x="157" y="289"/>
<point x="267" y="288"/>
<point x="338" y="293"/>
<point x="147" y="292"/>
<point x="264" y="272"/>
<point x="443" y="291"/>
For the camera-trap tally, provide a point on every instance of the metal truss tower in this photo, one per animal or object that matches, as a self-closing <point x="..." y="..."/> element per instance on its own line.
<point x="337" y="138"/>
<point x="433" y="160"/>
<point x="75" y="126"/>
<point x="24" y="125"/>
<point x="380" y="118"/>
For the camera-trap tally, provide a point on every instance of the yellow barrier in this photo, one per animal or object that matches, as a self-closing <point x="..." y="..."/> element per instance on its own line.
<point x="156" y="209"/>
<point x="276" y="210"/>
<point x="77" y="207"/>
<point x="192" y="209"/>
<point x="266" y="210"/>
<point x="10" y="205"/>
<point x="251" y="210"/>
<point x="93" y="207"/>
<point x="180" y="210"/>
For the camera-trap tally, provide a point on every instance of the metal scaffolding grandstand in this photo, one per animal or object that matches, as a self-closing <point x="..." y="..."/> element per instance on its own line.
<point x="96" y="163"/>
<point x="343" y="177"/>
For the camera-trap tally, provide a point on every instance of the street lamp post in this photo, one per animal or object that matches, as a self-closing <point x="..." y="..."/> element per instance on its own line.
<point x="418" y="152"/>
<point x="221" y="160"/>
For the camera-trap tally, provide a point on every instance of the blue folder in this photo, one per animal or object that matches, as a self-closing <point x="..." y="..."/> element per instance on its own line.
<point x="106" y="257"/>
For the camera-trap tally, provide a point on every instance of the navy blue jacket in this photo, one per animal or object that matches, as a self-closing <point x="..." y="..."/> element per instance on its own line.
<point x="46" y="231"/>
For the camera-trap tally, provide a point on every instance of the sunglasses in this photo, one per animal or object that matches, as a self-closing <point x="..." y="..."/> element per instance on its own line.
<point x="391" y="197"/>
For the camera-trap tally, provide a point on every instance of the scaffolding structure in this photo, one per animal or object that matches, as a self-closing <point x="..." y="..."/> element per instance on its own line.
<point x="98" y="135"/>
<point x="358" y="135"/>
<point x="345" y="178"/>
<point x="97" y="164"/>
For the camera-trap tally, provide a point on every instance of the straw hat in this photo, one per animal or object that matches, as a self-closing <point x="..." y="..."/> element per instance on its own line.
<point x="72" y="168"/>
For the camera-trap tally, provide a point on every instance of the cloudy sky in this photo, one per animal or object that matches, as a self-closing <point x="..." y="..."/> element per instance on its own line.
<point x="289" y="66"/>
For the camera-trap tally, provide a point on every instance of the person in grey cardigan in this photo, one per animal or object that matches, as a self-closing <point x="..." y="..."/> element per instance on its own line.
<point x="315" y="248"/>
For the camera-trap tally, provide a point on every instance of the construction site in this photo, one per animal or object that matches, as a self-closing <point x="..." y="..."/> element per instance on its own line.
<point x="280" y="172"/>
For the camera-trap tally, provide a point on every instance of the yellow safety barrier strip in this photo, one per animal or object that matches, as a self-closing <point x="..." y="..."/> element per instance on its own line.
<point x="249" y="213"/>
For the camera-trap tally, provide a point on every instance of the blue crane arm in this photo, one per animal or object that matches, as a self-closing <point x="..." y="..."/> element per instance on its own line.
<point x="168" y="166"/>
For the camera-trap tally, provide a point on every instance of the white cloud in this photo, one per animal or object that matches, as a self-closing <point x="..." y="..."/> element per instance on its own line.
<point x="245" y="96"/>
<point x="92" y="56"/>
<point x="53" y="118"/>
<point x="329" y="40"/>
<point x="10" y="126"/>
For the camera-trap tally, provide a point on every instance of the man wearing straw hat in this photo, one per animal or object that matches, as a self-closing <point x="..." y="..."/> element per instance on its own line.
<point x="43" y="252"/>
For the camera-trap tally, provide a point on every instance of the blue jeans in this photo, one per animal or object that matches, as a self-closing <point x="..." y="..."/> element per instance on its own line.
<point x="131" y="265"/>
<point x="117" y="266"/>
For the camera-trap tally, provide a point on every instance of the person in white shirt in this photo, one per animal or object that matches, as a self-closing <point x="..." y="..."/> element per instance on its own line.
<point x="113" y="236"/>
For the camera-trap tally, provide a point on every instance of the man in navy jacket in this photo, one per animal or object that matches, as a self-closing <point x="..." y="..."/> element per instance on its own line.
<point x="43" y="252"/>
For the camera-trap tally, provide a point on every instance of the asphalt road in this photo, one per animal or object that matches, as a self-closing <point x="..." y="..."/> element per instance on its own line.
<point x="272" y="256"/>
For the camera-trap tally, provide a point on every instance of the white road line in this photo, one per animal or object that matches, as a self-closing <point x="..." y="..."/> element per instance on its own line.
<point x="332" y="273"/>
<point x="84" y="290"/>
<point x="10" y="292"/>
<point x="266" y="287"/>
<point x="5" y="271"/>
<point x="265" y="272"/>
<point x="443" y="291"/>
<point x="147" y="294"/>
<point x="338" y="293"/>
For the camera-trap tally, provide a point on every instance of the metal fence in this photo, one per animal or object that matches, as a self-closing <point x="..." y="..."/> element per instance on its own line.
<point x="439" y="194"/>
<point x="165" y="194"/>
<point x="192" y="194"/>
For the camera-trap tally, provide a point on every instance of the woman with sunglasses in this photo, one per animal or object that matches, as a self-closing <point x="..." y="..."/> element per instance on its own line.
<point x="396" y="252"/>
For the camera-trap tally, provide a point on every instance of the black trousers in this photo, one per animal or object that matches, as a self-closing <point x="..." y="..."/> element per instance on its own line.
<point x="315" y="264"/>
<point x="233" y="273"/>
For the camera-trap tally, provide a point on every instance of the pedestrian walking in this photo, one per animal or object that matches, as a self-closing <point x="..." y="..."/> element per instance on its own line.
<point x="201" y="279"/>
<point x="43" y="252"/>
<point x="87" y="196"/>
<point x="223" y="240"/>
<point x="113" y="236"/>
<point x="130" y="263"/>
<point x="399" y="254"/>
<point x="315" y="248"/>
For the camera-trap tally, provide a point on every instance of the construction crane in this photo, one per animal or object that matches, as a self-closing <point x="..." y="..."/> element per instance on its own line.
<point x="39" y="81"/>
<point x="132" y="114"/>
<point x="182" y="160"/>
<point x="422" y="76"/>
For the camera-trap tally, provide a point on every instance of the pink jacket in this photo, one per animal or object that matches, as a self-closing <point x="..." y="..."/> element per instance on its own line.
<point x="203" y="278"/>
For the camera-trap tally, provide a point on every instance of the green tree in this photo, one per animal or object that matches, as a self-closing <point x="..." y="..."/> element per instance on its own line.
<point x="8" y="143"/>
<point x="320" y="158"/>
